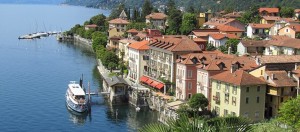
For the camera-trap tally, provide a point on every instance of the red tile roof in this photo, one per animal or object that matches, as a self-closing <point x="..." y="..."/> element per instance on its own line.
<point x="297" y="11"/>
<point x="175" y="43"/>
<point x="142" y="45"/>
<point x="118" y="21"/>
<point x="219" y="21"/>
<point x="132" y="31"/>
<point x="260" y="26"/>
<point x="239" y="77"/>
<point x="269" y="10"/>
<point x="157" y="16"/>
<point x="295" y="27"/>
<point x="219" y="36"/>
<point x="203" y="32"/>
<point x="199" y="40"/>
<point x="281" y="79"/>
<point x="271" y="18"/>
<point x="227" y="28"/>
<point x="91" y="26"/>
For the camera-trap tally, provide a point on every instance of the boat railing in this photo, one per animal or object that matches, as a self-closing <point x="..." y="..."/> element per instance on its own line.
<point x="72" y="82"/>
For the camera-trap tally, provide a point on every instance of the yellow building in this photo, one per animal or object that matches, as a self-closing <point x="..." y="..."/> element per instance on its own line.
<point x="269" y="19"/>
<point x="238" y="93"/>
<point x="281" y="87"/>
<point x="203" y="17"/>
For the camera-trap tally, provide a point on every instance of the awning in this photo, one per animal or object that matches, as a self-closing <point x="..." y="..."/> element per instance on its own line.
<point x="154" y="83"/>
<point x="149" y="81"/>
<point x="144" y="79"/>
<point x="159" y="86"/>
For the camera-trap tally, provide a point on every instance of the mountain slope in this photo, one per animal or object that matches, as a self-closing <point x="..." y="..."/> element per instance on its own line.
<point x="202" y="4"/>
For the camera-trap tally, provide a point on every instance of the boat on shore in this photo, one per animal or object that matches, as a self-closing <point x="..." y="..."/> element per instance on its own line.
<point x="76" y="97"/>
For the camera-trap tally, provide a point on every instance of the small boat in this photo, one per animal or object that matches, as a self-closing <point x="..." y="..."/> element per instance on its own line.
<point x="76" y="98"/>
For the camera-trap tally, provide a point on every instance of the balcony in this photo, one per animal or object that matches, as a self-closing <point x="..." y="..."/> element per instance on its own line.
<point x="132" y="59"/>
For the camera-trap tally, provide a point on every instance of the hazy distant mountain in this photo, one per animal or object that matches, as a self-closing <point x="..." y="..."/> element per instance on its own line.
<point x="32" y="1"/>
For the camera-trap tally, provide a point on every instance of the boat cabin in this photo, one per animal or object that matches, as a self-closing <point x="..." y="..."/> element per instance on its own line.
<point x="76" y="92"/>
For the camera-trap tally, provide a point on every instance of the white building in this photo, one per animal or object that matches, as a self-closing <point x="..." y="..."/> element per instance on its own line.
<point x="219" y="39"/>
<point x="138" y="57"/>
<point x="123" y="48"/>
<point x="158" y="20"/>
<point x="258" y="30"/>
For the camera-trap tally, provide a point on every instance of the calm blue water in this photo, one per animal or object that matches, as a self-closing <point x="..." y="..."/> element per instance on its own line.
<point x="34" y="75"/>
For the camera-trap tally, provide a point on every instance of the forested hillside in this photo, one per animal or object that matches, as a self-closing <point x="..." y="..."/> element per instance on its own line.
<point x="214" y="5"/>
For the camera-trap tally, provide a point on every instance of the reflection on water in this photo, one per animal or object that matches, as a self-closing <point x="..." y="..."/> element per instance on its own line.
<point x="78" y="118"/>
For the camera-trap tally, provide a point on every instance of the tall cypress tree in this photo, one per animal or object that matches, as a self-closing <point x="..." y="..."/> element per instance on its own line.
<point x="146" y="9"/>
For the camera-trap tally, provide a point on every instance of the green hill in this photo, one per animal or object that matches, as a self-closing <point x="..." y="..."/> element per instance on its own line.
<point x="215" y="5"/>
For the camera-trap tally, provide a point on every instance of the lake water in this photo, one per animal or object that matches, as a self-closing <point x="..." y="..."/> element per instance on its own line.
<point x="34" y="75"/>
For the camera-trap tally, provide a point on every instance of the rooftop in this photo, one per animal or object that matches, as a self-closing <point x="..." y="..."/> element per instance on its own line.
<point x="175" y="43"/>
<point x="227" y="28"/>
<point x="132" y="31"/>
<point x="281" y="79"/>
<point x="156" y="16"/>
<point x="271" y="18"/>
<point x="238" y="77"/>
<point x="118" y="21"/>
<point x="254" y="43"/>
<point x="219" y="21"/>
<point x="142" y="45"/>
<point x="279" y="59"/>
<point x="260" y="26"/>
<point x="269" y="10"/>
<point x="218" y="36"/>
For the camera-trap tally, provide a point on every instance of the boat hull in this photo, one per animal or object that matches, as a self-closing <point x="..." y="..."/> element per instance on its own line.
<point x="75" y="107"/>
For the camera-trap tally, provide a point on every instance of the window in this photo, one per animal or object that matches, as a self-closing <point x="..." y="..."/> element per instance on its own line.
<point x="218" y="85"/>
<point x="247" y="100"/>
<point x="190" y="95"/>
<point x="234" y="101"/>
<point x="189" y="85"/>
<point x="258" y="88"/>
<point x="287" y="30"/>
<point x="234" y="90"/>
<point x="217" y="98"/>
<point x="281" y="99"/>
<point x="271" y="98"/>
<point x="257" y="99"/>
<point x="233" y="114"/>
<point x="246" y="114"/>
<point x="267" y="77"/>
<point x="256" y="114"/>
<point x="226" y="98"/>
<point x="227" y="88"/>
<point x="247" y="90"/>
<point x="261" y="72"/>
<point x="217" y="110"/>
<point x="190" y="73"/>
<point x="292" y="89"/>
<point x="225" y="112"/>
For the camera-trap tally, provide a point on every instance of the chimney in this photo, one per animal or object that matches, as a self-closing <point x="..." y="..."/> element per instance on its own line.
<point x="232" y="69"/>
<point x="296" y="66"/>
<point x="257" y="60"/>
<point x="289" y="74"/>
<point x="229" y="50"/>
<point x="272" y="76"/>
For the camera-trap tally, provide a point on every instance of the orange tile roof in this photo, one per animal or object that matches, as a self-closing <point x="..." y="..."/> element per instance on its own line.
<point x="175" y="43"/>
<point x="271" y="18"/>
<point x="269" y="10"/>
<point x="142" y="45"/>
<point x="260" y="26"/>
<point x="297" y="10"/>
<point x="279" y="59"/>
<point x="156" y="16"/>
<point x="295" y="27"/>
<point x="297" y="72"/>
<point x="281" y="79"/>
<point x="284" y="41"/>
<point x="233" y="15"/>
<point x="227" y="28"/>
<point x="118" y="21"/>
<point x="219" y="36"/>
<point x="239" y="77"/>
<point x="203" y="32"/>
<point x="199" y="40"/>
<point x="132" y="31"/>
<point x="219" y="21"/>
<point x="91" y="26"/>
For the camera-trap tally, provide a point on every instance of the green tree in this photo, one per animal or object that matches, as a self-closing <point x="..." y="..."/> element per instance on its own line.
<point x="250" y="16"/>
<point x="98" y="39"/>
<point x="109" y="60"/>
<point x="222" y="48"/>
<point x="210" y="47"/>
<point x="197" y="101"/>
<point x="287" y="12"/>
<point x="137" y="25"/>
<point x="191" y="9"/>
<point x="99" y="20"/>
<point x="289" y="113"/>
<point x="233" y="44"/>
<point x="115" y="13"/>
<point x="146" y="9"/>
<point x="189" y="22"/>
<point x="174" y="21"/>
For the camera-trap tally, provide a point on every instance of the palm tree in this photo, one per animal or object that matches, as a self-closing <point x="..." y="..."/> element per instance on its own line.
<point x="185" y="124"/>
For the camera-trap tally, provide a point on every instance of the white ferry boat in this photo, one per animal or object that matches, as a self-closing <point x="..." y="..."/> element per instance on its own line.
<point x="76" y="98"/>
